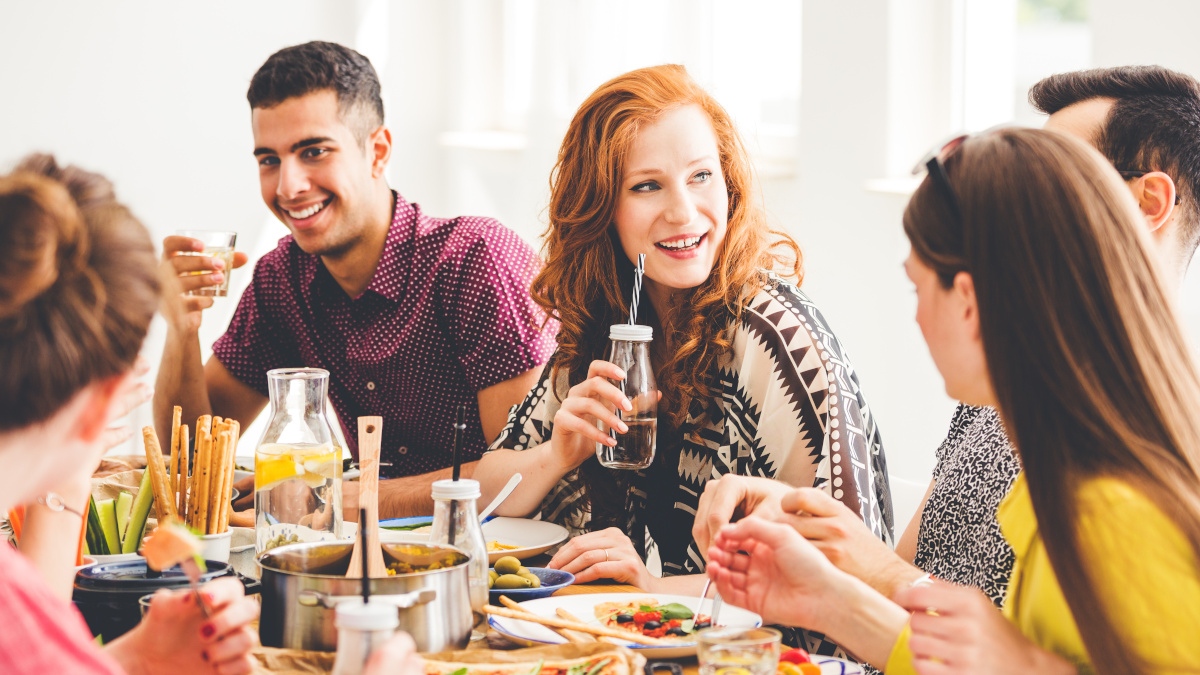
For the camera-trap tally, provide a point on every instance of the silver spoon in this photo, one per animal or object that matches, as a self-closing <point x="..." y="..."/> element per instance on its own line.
<point x="508" y="488"/>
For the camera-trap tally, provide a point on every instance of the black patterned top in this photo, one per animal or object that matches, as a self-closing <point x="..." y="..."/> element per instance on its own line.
<point x="959" y="539"/>
<point x="789" y="407"/>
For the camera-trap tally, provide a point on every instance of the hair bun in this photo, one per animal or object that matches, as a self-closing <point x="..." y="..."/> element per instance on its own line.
<point x="42" y="236"/>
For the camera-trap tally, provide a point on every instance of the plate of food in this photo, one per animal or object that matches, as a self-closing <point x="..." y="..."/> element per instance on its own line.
<point x="520" y="538"/>
<point x="665" y="625"/>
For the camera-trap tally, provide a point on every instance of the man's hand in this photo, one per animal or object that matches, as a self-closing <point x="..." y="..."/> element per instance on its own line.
<point x="838" y="532"/>
<point x="734" y="497"/>
<point x="190" y="272"/>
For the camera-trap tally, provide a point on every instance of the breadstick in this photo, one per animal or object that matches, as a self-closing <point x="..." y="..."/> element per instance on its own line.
<point x="574" y="625"/>
<point x="219" y="486"/>
<point x="184" y="454"/>
<point x="579" y="637"/>
<point x="569" y="635"/>
<point x="227" y="506"/>
<point x="176" y="415"/>
<point x="203" y="424"/>
<point x="204" y="454"/>
<point x="163" y="497"/>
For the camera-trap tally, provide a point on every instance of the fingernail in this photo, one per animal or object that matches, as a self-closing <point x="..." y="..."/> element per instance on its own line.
<point x="218" y="264"/>
<point x="626" y="405"/>
<point x="624" y="427"/>
<point x="208" y="630"/>
<point x="218" y="277"/>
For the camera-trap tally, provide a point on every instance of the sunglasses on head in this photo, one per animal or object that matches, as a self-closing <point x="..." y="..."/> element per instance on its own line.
<point x="934" y="164"/>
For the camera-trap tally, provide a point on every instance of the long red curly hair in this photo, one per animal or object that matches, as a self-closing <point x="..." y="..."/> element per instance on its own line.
<point x="587" y="279"/>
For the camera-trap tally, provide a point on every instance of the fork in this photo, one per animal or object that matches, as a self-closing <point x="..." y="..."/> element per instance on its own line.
<point x="716" y="604"/>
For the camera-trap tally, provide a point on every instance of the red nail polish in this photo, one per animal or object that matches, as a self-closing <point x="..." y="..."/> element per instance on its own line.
<point x="208" y="630"/>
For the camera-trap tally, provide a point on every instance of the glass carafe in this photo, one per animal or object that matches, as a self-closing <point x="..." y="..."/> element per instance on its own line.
<point x="297" y="465"/>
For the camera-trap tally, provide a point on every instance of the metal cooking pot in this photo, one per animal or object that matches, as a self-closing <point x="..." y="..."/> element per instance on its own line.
<point x="303" y="583"/>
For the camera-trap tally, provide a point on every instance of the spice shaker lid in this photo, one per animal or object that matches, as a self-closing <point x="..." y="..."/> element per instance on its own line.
<point x="375" y="615"/>
<point x="456" y="489"/>
<point x="630" y="333"/>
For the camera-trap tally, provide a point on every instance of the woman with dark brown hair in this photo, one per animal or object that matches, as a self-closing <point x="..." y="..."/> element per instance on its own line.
<point x="78" y="287"/>
<point x="1038" y="295"/>
<point x="753" y="380"/>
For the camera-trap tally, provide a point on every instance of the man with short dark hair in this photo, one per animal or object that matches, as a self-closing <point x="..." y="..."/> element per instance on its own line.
<point x="1146" y="121"/>
<point x="412" y="315"/>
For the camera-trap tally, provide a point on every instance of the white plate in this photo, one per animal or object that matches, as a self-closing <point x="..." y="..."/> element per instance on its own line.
<point x="530" y="634"/>
<point x="531" y="537"/>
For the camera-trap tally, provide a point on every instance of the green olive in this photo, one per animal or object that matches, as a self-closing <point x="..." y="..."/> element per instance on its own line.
<point x="492" y="577"/>
<point x="509" y="581"/>
<point x="533" y="579"/>
<point x="507" y="565"/>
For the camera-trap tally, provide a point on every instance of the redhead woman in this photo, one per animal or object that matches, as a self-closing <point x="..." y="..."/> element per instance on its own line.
<point x="1038" y="295"/>
<point x="753" y="380"/>
<point x="78" y="287"/>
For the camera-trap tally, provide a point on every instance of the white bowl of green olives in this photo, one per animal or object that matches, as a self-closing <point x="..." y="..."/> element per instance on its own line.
<point x="508" y="577"/>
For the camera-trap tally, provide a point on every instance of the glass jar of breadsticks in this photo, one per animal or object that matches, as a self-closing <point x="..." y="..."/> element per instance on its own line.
<point x="297" y="465"/>
<point x="193" y="482"/>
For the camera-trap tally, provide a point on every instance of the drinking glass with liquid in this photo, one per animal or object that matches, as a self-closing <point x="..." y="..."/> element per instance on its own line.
<point x="738" y="651"/>
<point x="630" y="351"/>
<point x="297" y="465"/>
<point x="217" y="244"/>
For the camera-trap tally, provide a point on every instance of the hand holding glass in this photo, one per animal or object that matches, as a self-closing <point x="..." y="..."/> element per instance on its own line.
<point x="217" y="244"/>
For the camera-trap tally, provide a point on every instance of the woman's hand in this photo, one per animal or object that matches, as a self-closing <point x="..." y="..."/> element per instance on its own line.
<point x="397" y="656"/>
<point x="958" y="630"/>
<point x="732" y="498"/>
<point x="846" y="540"/>
<point x="575" y="429"/>
<point x="607" y="554"/>
<point x="770" y="569"/>
<point x="175" y="637"/>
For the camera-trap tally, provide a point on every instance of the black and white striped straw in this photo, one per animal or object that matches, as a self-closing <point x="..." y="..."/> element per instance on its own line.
<point x="637" y="288"/>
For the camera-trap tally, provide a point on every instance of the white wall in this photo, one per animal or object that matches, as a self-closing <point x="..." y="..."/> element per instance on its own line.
<point x="153" y="95"/>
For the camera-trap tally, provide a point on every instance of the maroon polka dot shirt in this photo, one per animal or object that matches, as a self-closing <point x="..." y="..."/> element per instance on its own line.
<point x="447" y="313"/>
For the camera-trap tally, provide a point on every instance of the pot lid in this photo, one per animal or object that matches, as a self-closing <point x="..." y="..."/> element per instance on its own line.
<point x="134" y="576"/>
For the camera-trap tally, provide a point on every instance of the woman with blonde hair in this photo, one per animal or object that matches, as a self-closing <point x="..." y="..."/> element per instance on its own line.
<point x="1038" y="295"/>
<point x="753" y="380"/>
<point x="78" y="287"/>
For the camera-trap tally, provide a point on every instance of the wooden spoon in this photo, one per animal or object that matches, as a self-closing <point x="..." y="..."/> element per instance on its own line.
<point x="370" y="435"/>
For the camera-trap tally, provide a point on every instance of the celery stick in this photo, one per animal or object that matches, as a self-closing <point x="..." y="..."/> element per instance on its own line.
<point x="108" y="523"/>
<point x="124" y="506"/>
<point x="136" y="526"/>
<point x="95" y="533"/>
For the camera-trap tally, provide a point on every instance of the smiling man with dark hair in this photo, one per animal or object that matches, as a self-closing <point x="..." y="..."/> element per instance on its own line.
<point x="412" y="315"/>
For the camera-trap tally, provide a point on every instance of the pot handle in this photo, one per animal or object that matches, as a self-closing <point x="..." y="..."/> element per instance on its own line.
<point x="401" y="601"/>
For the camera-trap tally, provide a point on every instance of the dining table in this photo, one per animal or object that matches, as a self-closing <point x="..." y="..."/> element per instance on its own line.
<point x="295" y="662"/>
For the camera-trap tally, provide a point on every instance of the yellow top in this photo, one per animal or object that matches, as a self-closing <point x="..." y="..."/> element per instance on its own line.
<point x="1144" y="563"/>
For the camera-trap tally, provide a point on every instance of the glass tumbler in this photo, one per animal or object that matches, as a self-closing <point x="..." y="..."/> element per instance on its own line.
<point x="217" y="244"/>
<point x="630" y="351"/>
<point x="730" y="650"/>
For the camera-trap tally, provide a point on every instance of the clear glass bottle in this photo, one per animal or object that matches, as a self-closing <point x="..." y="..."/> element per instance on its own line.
<point x="297" y="465"/>
<point x="362" y="628"/>
<point x="456" y="523"/>
<point x="630" y="351"/>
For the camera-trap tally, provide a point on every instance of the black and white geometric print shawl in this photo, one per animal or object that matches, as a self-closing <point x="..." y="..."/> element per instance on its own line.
<point x="789" y="408"/>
